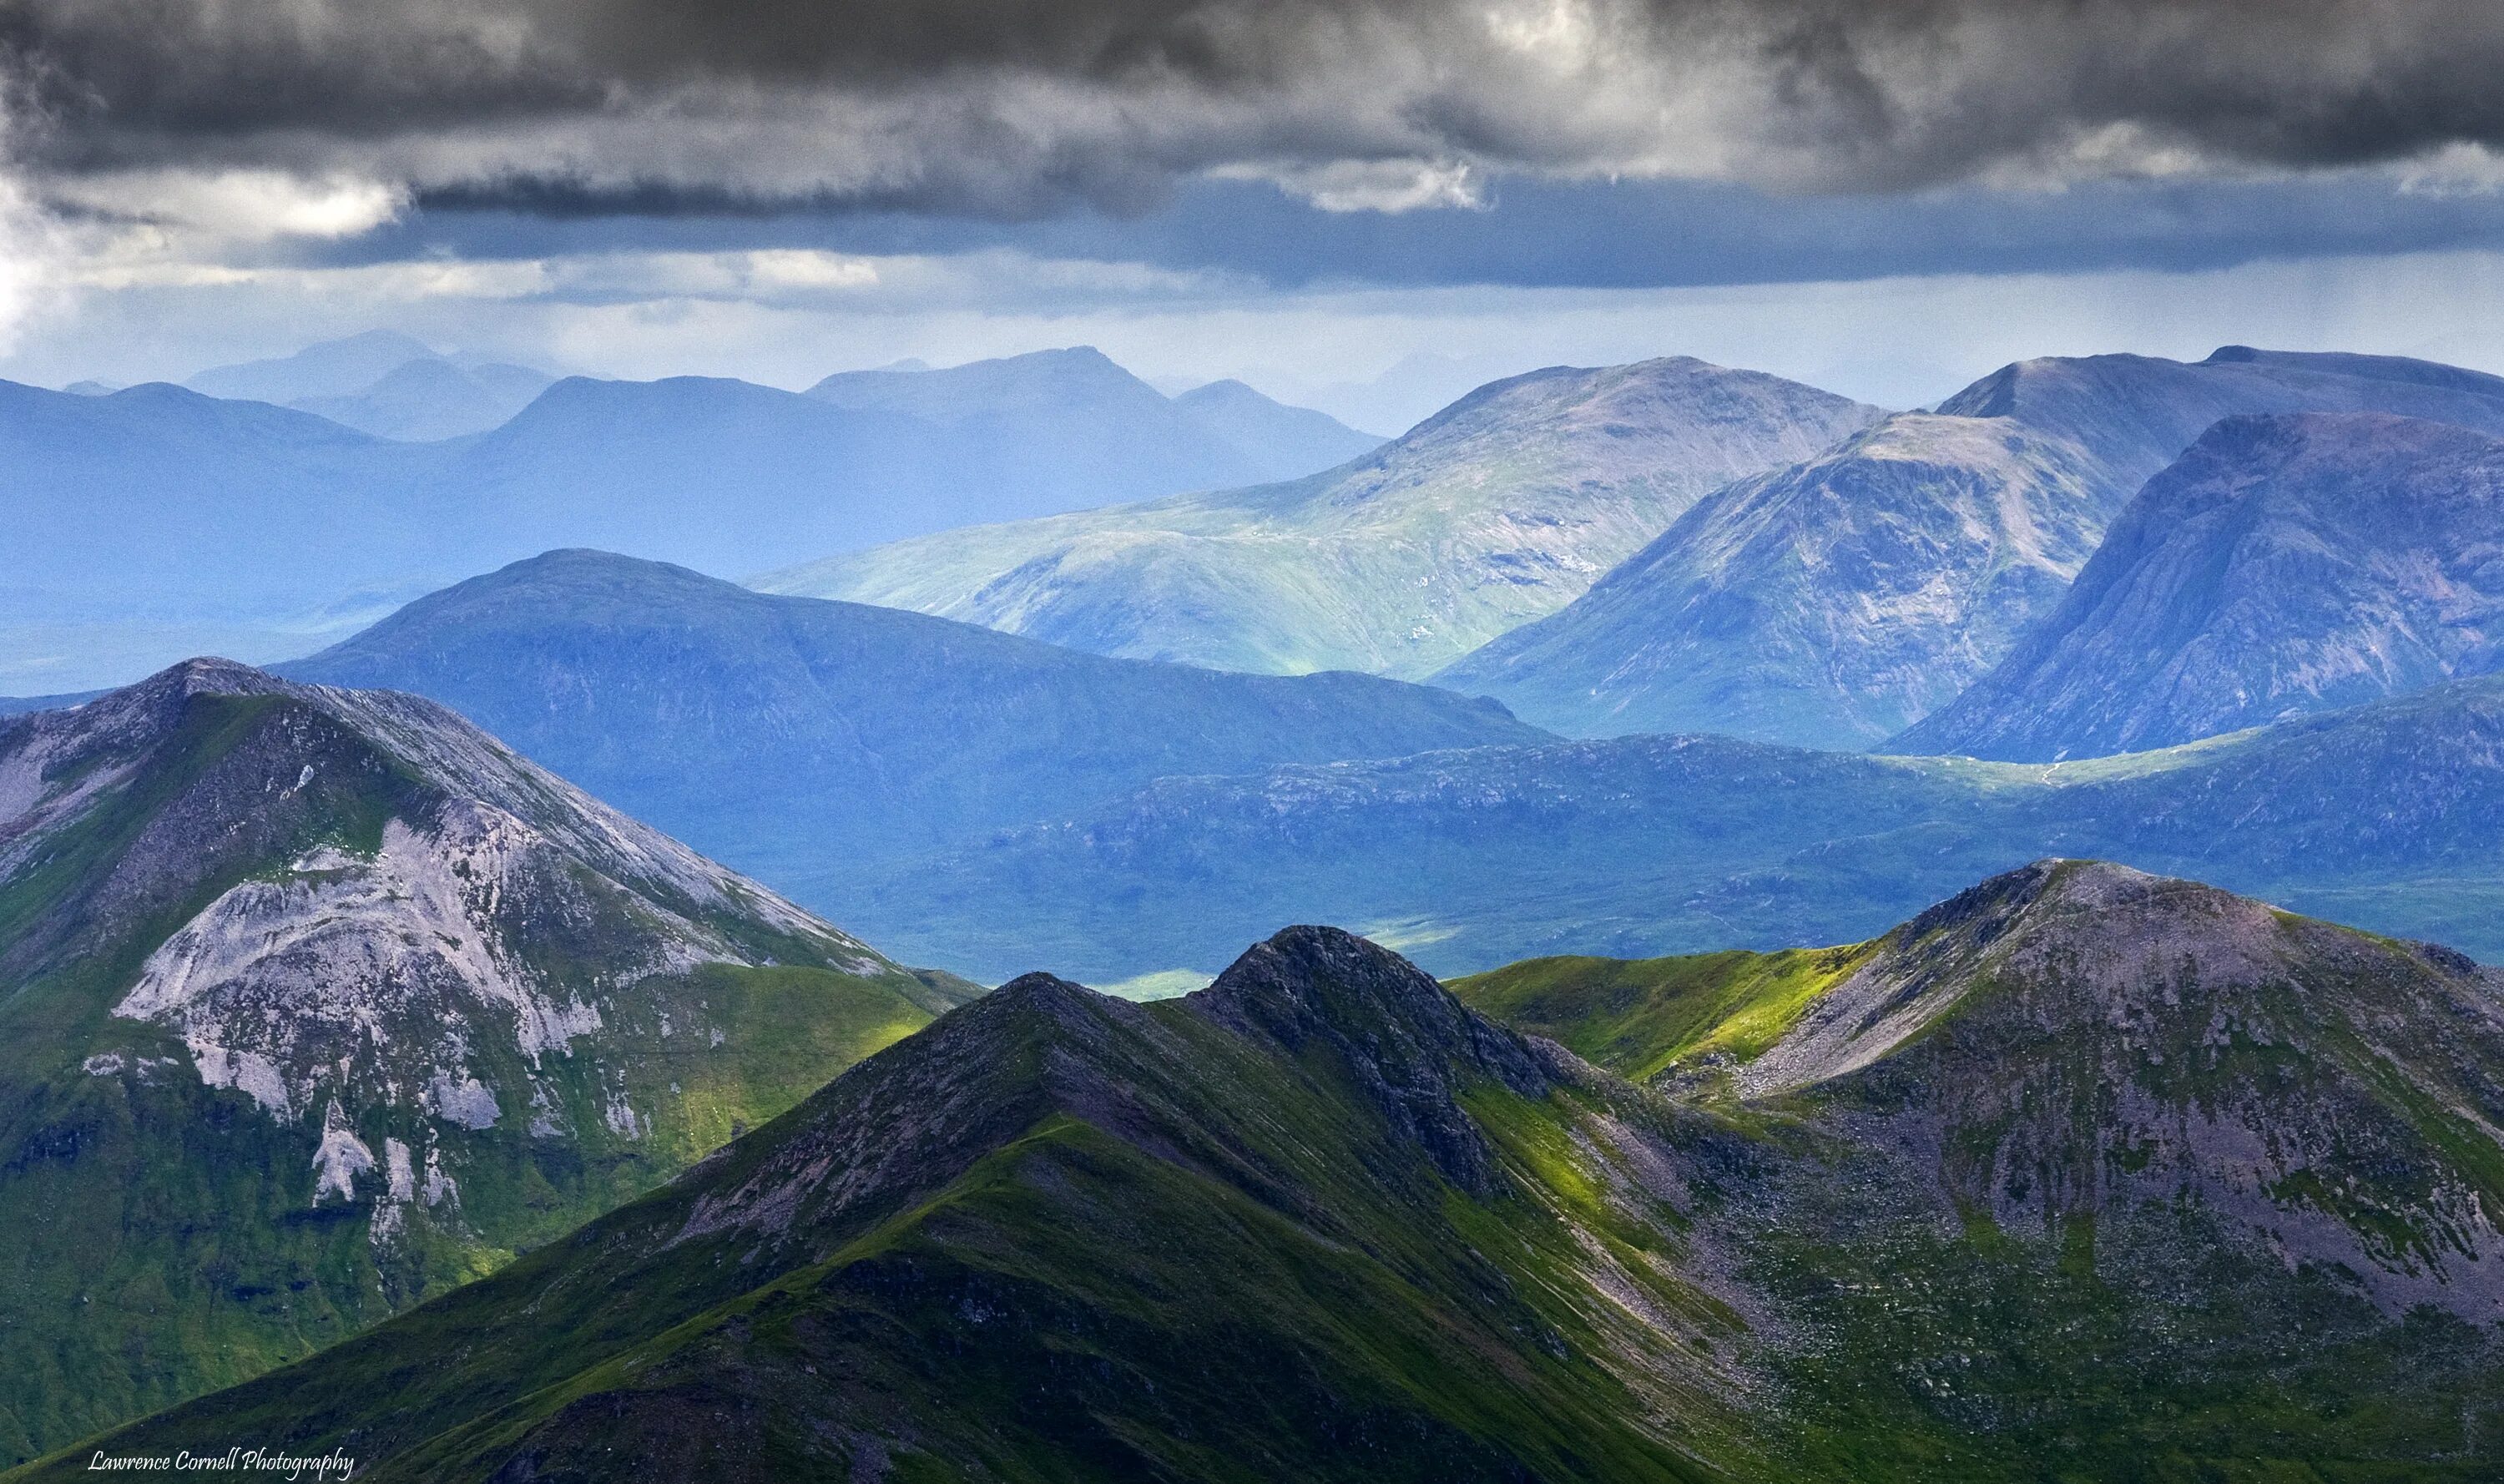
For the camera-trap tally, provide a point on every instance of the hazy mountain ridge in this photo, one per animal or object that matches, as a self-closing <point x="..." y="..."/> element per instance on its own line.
<point x="1497" y="509"/>
<point x="153" y="520"/>
<point x="2383" y="816"/>
<point x="808" y="739"/>
<point x="1839" y="601"/>
<point x="2130" y="1132"/>
<point x="383" y="383"/>
<point x="314" y="1003"/>
<point x="2284" y="564"/>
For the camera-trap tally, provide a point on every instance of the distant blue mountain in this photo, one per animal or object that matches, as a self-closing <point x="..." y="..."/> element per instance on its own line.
<point x="383" y="383"/>
<point x="188" y="518"/>
<point x="1835" y="603"/>
<point x="338" y="368"/>
<point x="807" y="739"/>
<point x="2388" y="816"/>
<point x="2284" y="564"/>
<point x="1079" y="430"/>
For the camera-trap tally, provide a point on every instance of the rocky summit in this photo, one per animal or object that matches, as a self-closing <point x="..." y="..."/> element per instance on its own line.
<point x="314" y="1003"/>
<point x="2082" y="1170"/>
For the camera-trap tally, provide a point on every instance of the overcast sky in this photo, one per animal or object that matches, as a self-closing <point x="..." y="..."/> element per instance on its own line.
<point x="1366" y="204"/>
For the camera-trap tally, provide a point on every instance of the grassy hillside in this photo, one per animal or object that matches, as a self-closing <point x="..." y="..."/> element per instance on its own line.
<point x="2081" y="1174"/>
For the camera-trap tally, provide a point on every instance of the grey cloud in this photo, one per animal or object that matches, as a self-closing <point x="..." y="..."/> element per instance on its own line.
<point x="1019" y="107"/>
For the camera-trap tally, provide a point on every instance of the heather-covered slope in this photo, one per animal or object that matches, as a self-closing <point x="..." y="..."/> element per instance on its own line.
<point x="2284" y="564"/>
<point x="2081" y="1173"/>
<point x="314" y="1003"/>
<point x="1835" y="603"/>
<point x="2387" y="816"/>
<point x="806" y="739"/>
<point x="1500" y="508"/>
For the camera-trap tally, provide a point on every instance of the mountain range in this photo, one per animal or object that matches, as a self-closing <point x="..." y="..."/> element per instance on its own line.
<point x="316" y="1003"/>
<point x="383" y="383"/>
<point x="1838" y="602"/>
<point x="2284" y="564"/>
<point x="2080" y="1170"/>
<point x="808" y="740"/>
<point x="152" y="522"/>
<point x="1500" y="509"/>
<point x="2383" y="816"/>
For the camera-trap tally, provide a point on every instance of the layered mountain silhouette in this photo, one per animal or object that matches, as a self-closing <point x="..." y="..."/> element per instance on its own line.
<point x="383" y="383"/>
<point x="149" y="521"/>
<point x="2383" y="816"/>
<point x="1079" y="429"/>
<point x="1838" y="602"/>
<point x="806" y="739"/>
<point x="1499" y="510"/>
<point x="2284" y="564"/>
<point x="315" y="1003"/>
<point x="2054" y="1170"/>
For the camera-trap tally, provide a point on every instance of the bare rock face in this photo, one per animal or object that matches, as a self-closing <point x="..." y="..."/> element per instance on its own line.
<point x="337" y="976"/>
<point x="2283" y="565"/>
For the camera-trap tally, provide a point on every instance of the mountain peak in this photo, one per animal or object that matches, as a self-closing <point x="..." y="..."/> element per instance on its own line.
<point x="1410" y="1045"/>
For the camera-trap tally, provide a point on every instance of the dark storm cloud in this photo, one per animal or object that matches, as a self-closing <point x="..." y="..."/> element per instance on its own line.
<point x="1018" y="106"/>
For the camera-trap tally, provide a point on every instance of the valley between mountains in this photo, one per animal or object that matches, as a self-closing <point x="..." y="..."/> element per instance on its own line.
<point x="1835" y="944"/>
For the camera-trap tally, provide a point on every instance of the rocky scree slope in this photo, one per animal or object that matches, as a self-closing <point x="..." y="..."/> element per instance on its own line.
<point x="1501" y="508"/>
<point x="1835" y="603"/>
<point x="2081" y="1169"/>
<point x="314" y="1003"/>
<point x="2284" y="564"/>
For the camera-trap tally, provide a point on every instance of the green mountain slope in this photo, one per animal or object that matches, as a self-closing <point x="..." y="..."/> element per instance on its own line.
<point x="1316" y="1222"/>
<point x="2386" y="815"/>
<point x="1503" y="506"/>
<point x="2284" y="564"/>
<point x="2081" y="1174"/>
<point x="315" y="1003"/>
<point x="1835" y="603"/>
<point x="2088" y="1174"/>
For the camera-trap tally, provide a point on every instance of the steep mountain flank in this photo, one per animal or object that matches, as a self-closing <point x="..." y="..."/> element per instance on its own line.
<point x="2080" y="1171"/>
<point x="1835" y="603"/>
<point x="806" y="741"/>
<point x="314" y="1003"/>
<point x="2100" y="1167"/>
<point x="2284" y="564"/>
<point x="1503" y="506"/>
